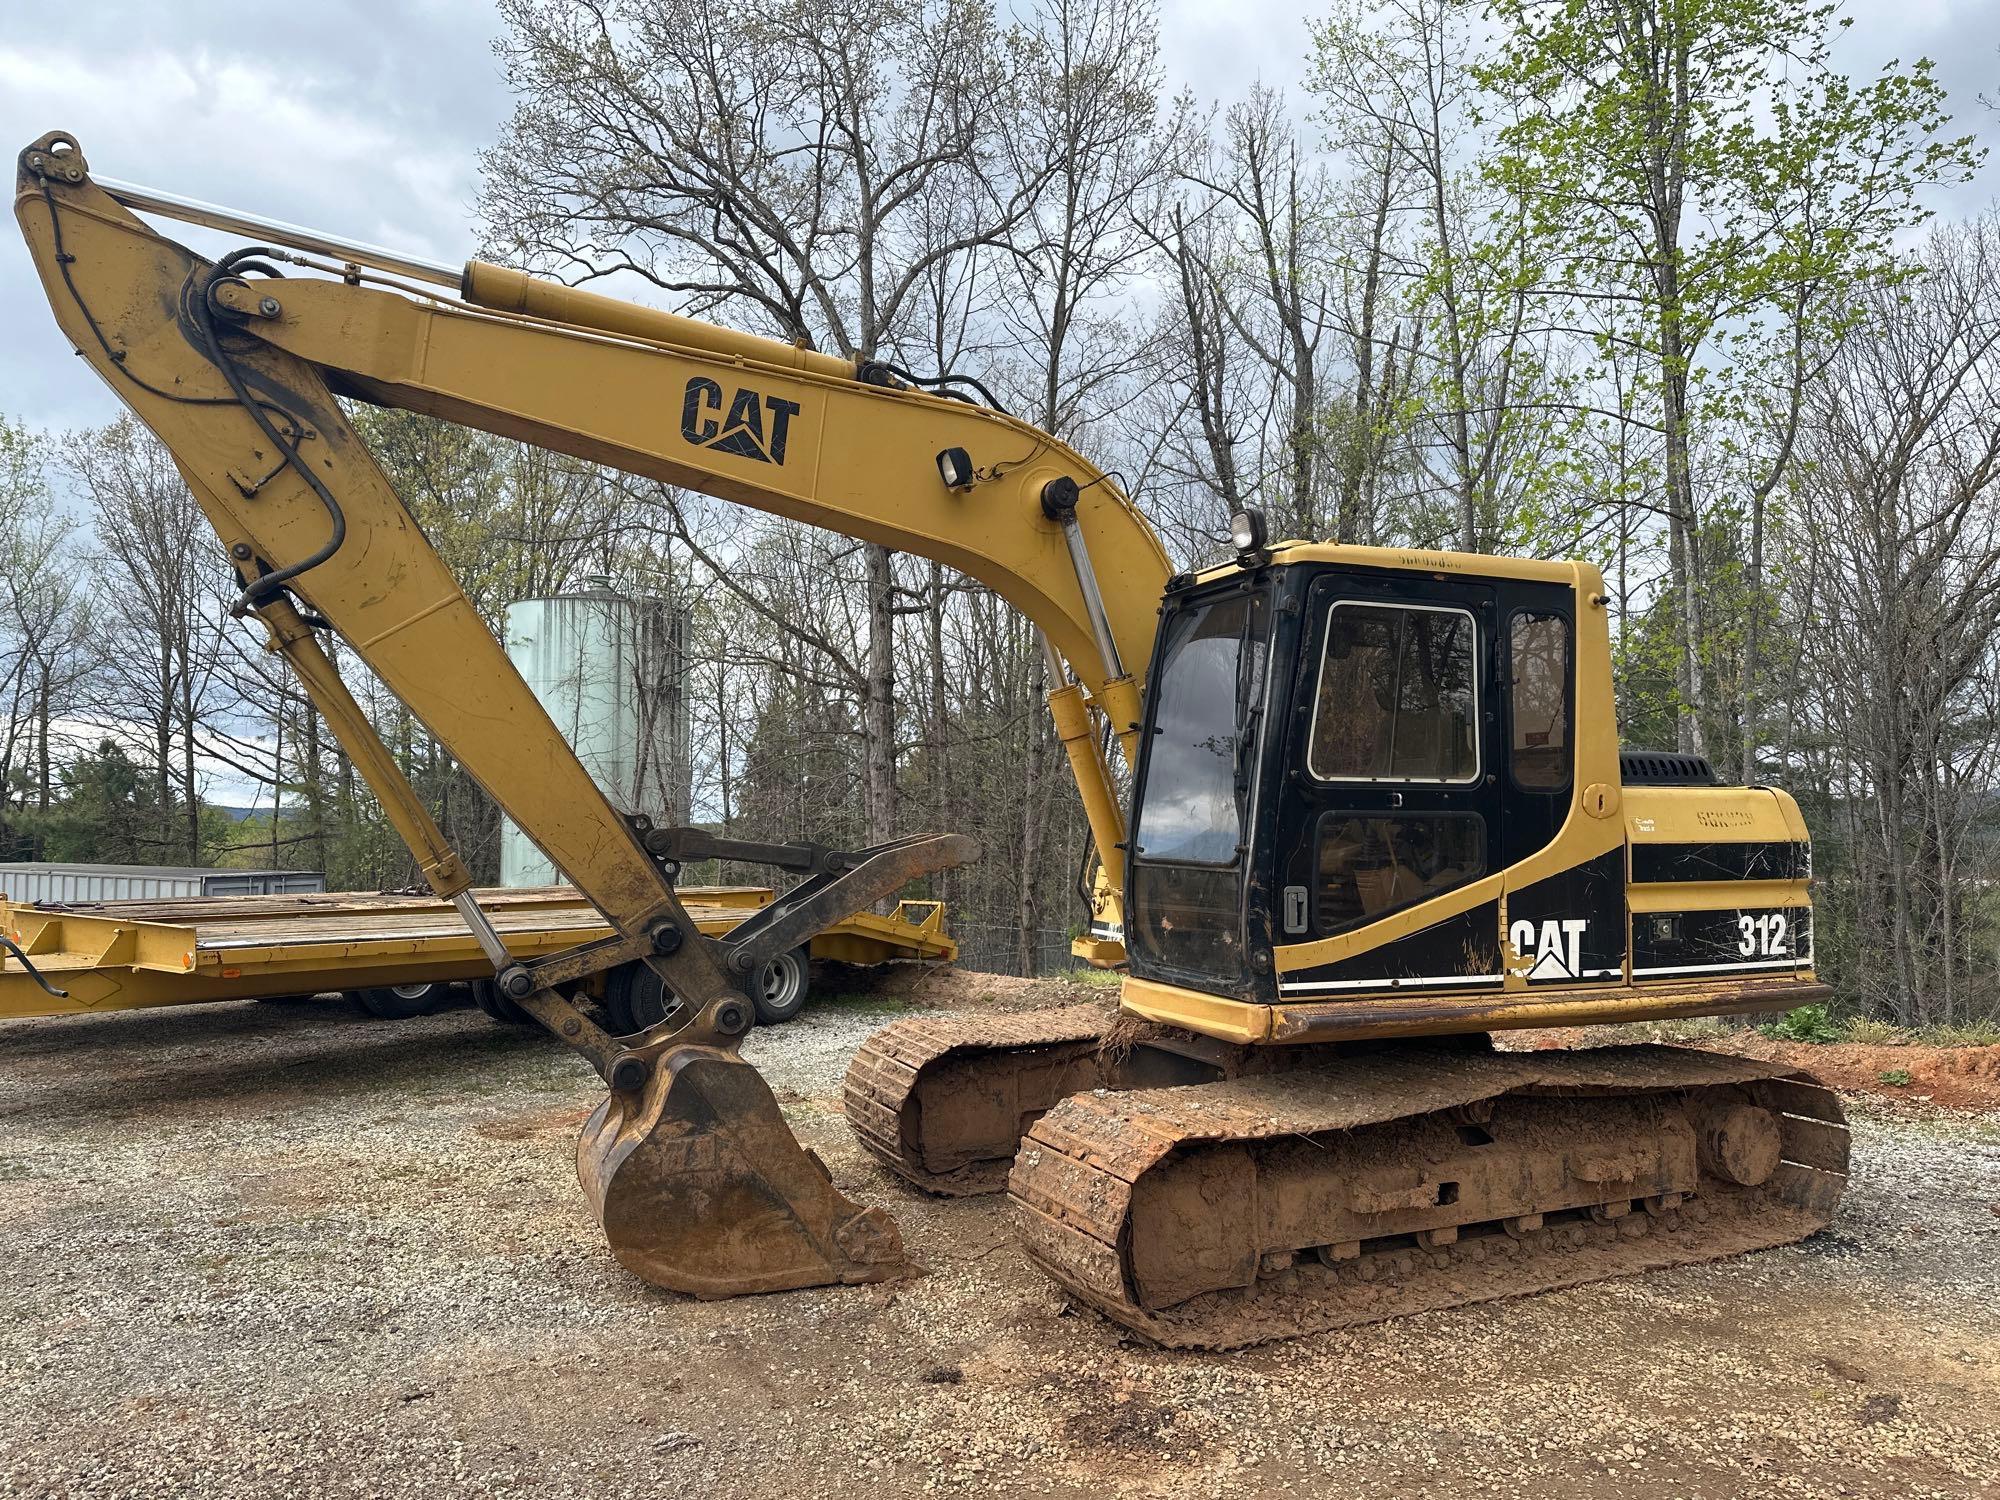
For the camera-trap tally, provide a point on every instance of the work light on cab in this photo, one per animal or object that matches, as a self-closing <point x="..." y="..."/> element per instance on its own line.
<point x="1246" y="531"/>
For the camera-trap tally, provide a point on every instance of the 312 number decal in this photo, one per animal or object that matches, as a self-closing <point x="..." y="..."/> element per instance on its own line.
<point x="1763" y="936"/>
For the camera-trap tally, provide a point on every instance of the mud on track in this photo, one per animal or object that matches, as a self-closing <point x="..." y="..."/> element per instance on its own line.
<point x="279" y="1249"/>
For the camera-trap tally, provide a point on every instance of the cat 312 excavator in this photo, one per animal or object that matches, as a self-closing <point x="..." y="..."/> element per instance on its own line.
<point x="1378" y="812"/>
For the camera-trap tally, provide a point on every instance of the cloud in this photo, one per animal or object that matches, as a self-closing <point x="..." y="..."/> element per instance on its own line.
<point x="361" y="119"/>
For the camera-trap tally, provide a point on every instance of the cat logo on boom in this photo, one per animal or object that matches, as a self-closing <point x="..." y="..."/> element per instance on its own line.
<point x="742" y="432"/>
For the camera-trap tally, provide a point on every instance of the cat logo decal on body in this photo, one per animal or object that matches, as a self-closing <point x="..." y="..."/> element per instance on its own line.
<point x="1555" y="946"/>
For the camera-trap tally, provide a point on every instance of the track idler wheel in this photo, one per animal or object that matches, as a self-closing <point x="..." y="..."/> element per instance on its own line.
<point x="702" y="1188"/>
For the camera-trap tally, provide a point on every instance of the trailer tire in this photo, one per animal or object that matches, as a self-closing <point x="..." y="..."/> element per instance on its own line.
<point x="633" y="994"/>
<point x="786" y="981"/>
<point x="400" y="1002"/>
<point x="486" y="995"/>
<point x="635" y="998"/>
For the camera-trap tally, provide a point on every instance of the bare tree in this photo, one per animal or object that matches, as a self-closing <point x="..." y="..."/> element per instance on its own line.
<point x="1896" y="612"/>
<point x="1087" y="134"/>
<point x="1441" y="261"/>
<point x="1203" y="402"/>
<point x="43" y="625"/>
<point x="161" y="617"/>
<point x="1272" y="283"/>
<point x="783" y="166"/>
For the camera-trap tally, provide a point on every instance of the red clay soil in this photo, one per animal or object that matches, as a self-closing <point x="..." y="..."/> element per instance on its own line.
<point x="1954" y="1077"/>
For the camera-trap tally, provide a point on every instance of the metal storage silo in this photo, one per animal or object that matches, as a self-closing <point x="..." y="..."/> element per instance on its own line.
<point x="612" y="672"/>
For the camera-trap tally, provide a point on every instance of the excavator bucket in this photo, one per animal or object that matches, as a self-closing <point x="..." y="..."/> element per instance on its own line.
<point x="702" y="1188"/>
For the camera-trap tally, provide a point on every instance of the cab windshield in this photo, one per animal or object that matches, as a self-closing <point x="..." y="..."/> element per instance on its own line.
<point x="1186" y="917"/>
<point x="1194" y="801"/>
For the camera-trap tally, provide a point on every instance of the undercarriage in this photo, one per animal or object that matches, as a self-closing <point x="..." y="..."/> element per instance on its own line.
<point x="1307" y="1189"/>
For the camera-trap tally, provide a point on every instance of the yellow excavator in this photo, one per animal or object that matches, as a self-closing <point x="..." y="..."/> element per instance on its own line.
<point x="1378" y="812"/>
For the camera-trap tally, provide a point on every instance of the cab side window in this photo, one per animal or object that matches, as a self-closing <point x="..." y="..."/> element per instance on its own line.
<point x="1539" y="743"/>
<point x="1397" y="697"/>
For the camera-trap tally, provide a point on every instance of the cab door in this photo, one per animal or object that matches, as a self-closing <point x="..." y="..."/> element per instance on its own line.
<point x="1392" y="796"/>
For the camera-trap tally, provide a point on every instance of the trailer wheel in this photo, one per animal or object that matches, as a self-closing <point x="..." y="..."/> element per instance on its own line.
<point x="785" y="982"/>
<point x="399" y="1002"/>
<point x="486" y="995"/>
<point x="636" y="1000"/>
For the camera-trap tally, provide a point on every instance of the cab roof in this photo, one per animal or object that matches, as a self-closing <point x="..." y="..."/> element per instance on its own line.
<point x="1576" y="575"/>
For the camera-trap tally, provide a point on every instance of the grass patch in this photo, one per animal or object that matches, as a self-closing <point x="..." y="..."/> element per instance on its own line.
<point x="1869" y="1032"/>
<point x="1809" y="1023"/>
<point x="1866" y="1031"/>
<point x="1812" y="1023"/>
<point x="1984" y="1033"/>
<point x="1096" y="979"/>
<point x="1689" y="1029"/>
<point x="1896" y="1078"/>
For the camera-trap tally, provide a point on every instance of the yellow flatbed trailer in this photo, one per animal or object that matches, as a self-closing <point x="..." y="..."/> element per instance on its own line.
<point x="125" y="955"/>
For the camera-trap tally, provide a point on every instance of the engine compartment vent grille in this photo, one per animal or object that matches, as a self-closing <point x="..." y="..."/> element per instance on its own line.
<point x="1664" y="768"/>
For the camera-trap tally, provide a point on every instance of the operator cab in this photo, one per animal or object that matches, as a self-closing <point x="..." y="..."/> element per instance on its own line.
<point x="1336" y="735"/>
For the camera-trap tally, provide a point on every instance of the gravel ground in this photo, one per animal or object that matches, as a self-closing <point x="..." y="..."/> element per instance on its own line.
<point x="280" y="1249"/>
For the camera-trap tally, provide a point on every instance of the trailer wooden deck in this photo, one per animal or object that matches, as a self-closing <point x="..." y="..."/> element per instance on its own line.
<point x="124" y="955"/>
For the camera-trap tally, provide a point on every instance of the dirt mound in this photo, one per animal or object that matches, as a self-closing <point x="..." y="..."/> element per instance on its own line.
<point x="947" y="987"/>
<point x="1956" y="1077"/>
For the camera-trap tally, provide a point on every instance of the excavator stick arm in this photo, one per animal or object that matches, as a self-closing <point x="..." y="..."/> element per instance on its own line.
<point x="306" y="515"/>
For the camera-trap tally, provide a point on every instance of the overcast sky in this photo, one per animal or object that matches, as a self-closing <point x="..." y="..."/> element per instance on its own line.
<point x="365" y="117"/>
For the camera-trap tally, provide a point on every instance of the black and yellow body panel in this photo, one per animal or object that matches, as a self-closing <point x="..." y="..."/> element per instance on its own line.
<point x="1380" y="794"/>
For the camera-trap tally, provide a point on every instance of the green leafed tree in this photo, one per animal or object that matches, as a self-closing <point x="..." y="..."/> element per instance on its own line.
<point x="1711" y="191"/>
<point x="109" y="812"/>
